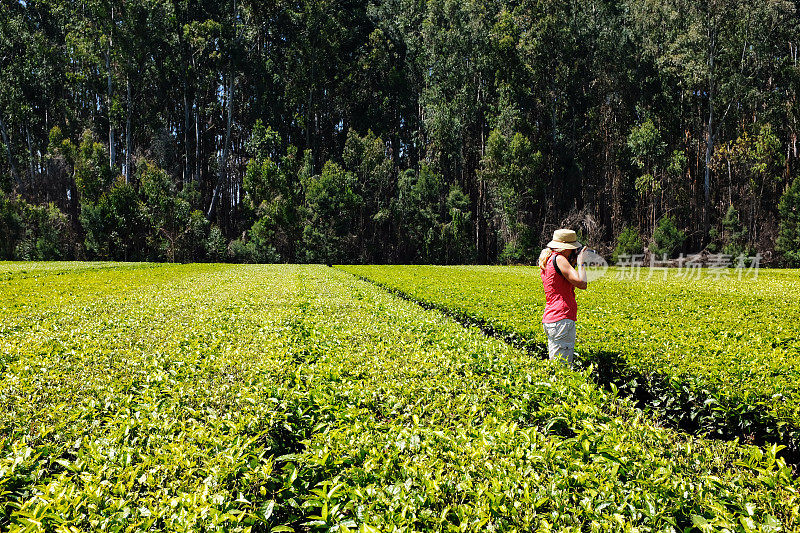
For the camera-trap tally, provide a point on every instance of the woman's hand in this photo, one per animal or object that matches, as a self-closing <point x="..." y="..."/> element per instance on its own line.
<point x="582" y="256"/>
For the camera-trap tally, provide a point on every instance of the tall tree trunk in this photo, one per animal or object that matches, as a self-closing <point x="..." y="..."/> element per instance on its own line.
<point x="707" y="175"/>
<point x="308" y="115"/>
<point x="31" y="167"/>
<point x="111" y="152"/>
<point x="480" y="223"/>
<point x="224" y="163"/>
<point x="128" y="142"/>
<point x="187" y="172"/>
<point x="197" y="138"/>
<point x="310" y="103"/>
<point x="709" y="137"/>
<point x="8" y="150"/>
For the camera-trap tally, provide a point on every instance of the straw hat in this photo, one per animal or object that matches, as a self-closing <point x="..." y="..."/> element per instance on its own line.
<point x="564" y="239"/>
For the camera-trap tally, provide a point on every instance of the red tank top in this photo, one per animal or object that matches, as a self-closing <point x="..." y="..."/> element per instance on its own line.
<point x="559" y="294"/>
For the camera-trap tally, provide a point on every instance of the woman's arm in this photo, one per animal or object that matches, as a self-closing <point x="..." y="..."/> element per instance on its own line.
<point x="576" y="278"/>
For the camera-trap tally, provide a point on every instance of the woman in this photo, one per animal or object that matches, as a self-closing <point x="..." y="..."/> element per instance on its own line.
<point x="559" y="279"/>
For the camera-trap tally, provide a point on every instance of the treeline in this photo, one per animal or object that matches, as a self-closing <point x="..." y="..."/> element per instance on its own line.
<point x="428" y="131"/>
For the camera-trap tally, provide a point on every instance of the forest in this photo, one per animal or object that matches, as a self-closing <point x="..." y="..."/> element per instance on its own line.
<point x="397" y="131"/>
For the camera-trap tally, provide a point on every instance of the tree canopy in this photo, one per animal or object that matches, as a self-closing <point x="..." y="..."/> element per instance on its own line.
<point x="394" y="131"/>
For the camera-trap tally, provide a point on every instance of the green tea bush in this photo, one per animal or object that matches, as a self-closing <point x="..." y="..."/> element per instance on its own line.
<point x="713" y="355"/>
<point x="297" y="398"/>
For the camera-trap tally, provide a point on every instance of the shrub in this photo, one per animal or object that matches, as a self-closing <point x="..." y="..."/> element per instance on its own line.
<point x="512" y="253"/>
<point x="254" y="247"/>
<point x="10" y="226"/>
<point x="732" y="238"/>
<point x="216" y="245"/>
<point x="667" y="238"/>
<point x="33" y="233"/>
<point x="261" y="240"/>
<point x="92" y="173"/>
<point x="788" y="242"/>
<point x="48" y="232"/>
<point x="333" y="205"/>
<point x="115" y="225"/>
<point x="628" y="243"/>
<point x="191" y="242"/>
<point x="240" y="252"/>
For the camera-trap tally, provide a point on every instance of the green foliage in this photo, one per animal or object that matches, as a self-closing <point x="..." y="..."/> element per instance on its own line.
<point x="241" y="252"/>
<point x="46" y="236"/>
<point x="647" y="153"/>
<point x="512" y="164"/>
<point x="155" y="222"/>
<point x="667" y="238"/>
<point x="115" y="225"/>
<point x="193" y="242"/>
<point x="534" y="109"/>
<point x="169" y="216"/>
<point x="457" y="232"/>
<point x="677" y="163"/>
<point x="273" y="191"/>
<point x="263" y="143"/>
<point x="263" y="181"/>
<point x="256" y="247"/>
<point x="732" y="240"/>
<point x="33" y="233"/>
<point x="216" y="245"/>
<point x="700" y="369"/>
<point x="645" y="144"/>
<point x="366" y="156"/>
<point x="513" y="253"/>
<point x="757" y="157"/>
<point x="58" y="145"/>
<point x="269" y="398"/>
<point x="788" y="241"/>
<point x="766" y="154"/>
<point x="93" y="176"/>
<point x="262" y="251"/>
<point x="436" y="231"/>
<point x="10" y="226"/>
<point x="628" y="243"/>
<point x="332" y="210"/>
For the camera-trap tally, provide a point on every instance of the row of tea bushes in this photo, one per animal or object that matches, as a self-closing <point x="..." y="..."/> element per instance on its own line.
<point x="713" y="355"/>
<point x="284" y="398"/>
<point x="146" y="397"/>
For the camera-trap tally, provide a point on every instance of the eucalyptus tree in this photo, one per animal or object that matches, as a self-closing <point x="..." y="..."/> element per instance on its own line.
<point x="720" y="55"/>
<point x="457" y="97"/>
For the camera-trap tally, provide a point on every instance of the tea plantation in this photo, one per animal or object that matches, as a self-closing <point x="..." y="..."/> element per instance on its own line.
<point x="714" y="354"/>
<point x="143" y="397"/>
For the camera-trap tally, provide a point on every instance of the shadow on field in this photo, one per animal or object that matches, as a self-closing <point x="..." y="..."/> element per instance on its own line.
<point x="682" y="403"/>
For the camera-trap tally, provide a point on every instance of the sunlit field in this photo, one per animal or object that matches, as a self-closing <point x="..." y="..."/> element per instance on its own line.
<point x="222" y="397"/>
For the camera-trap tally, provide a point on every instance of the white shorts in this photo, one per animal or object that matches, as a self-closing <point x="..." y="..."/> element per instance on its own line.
<point x="561" y="339"/>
